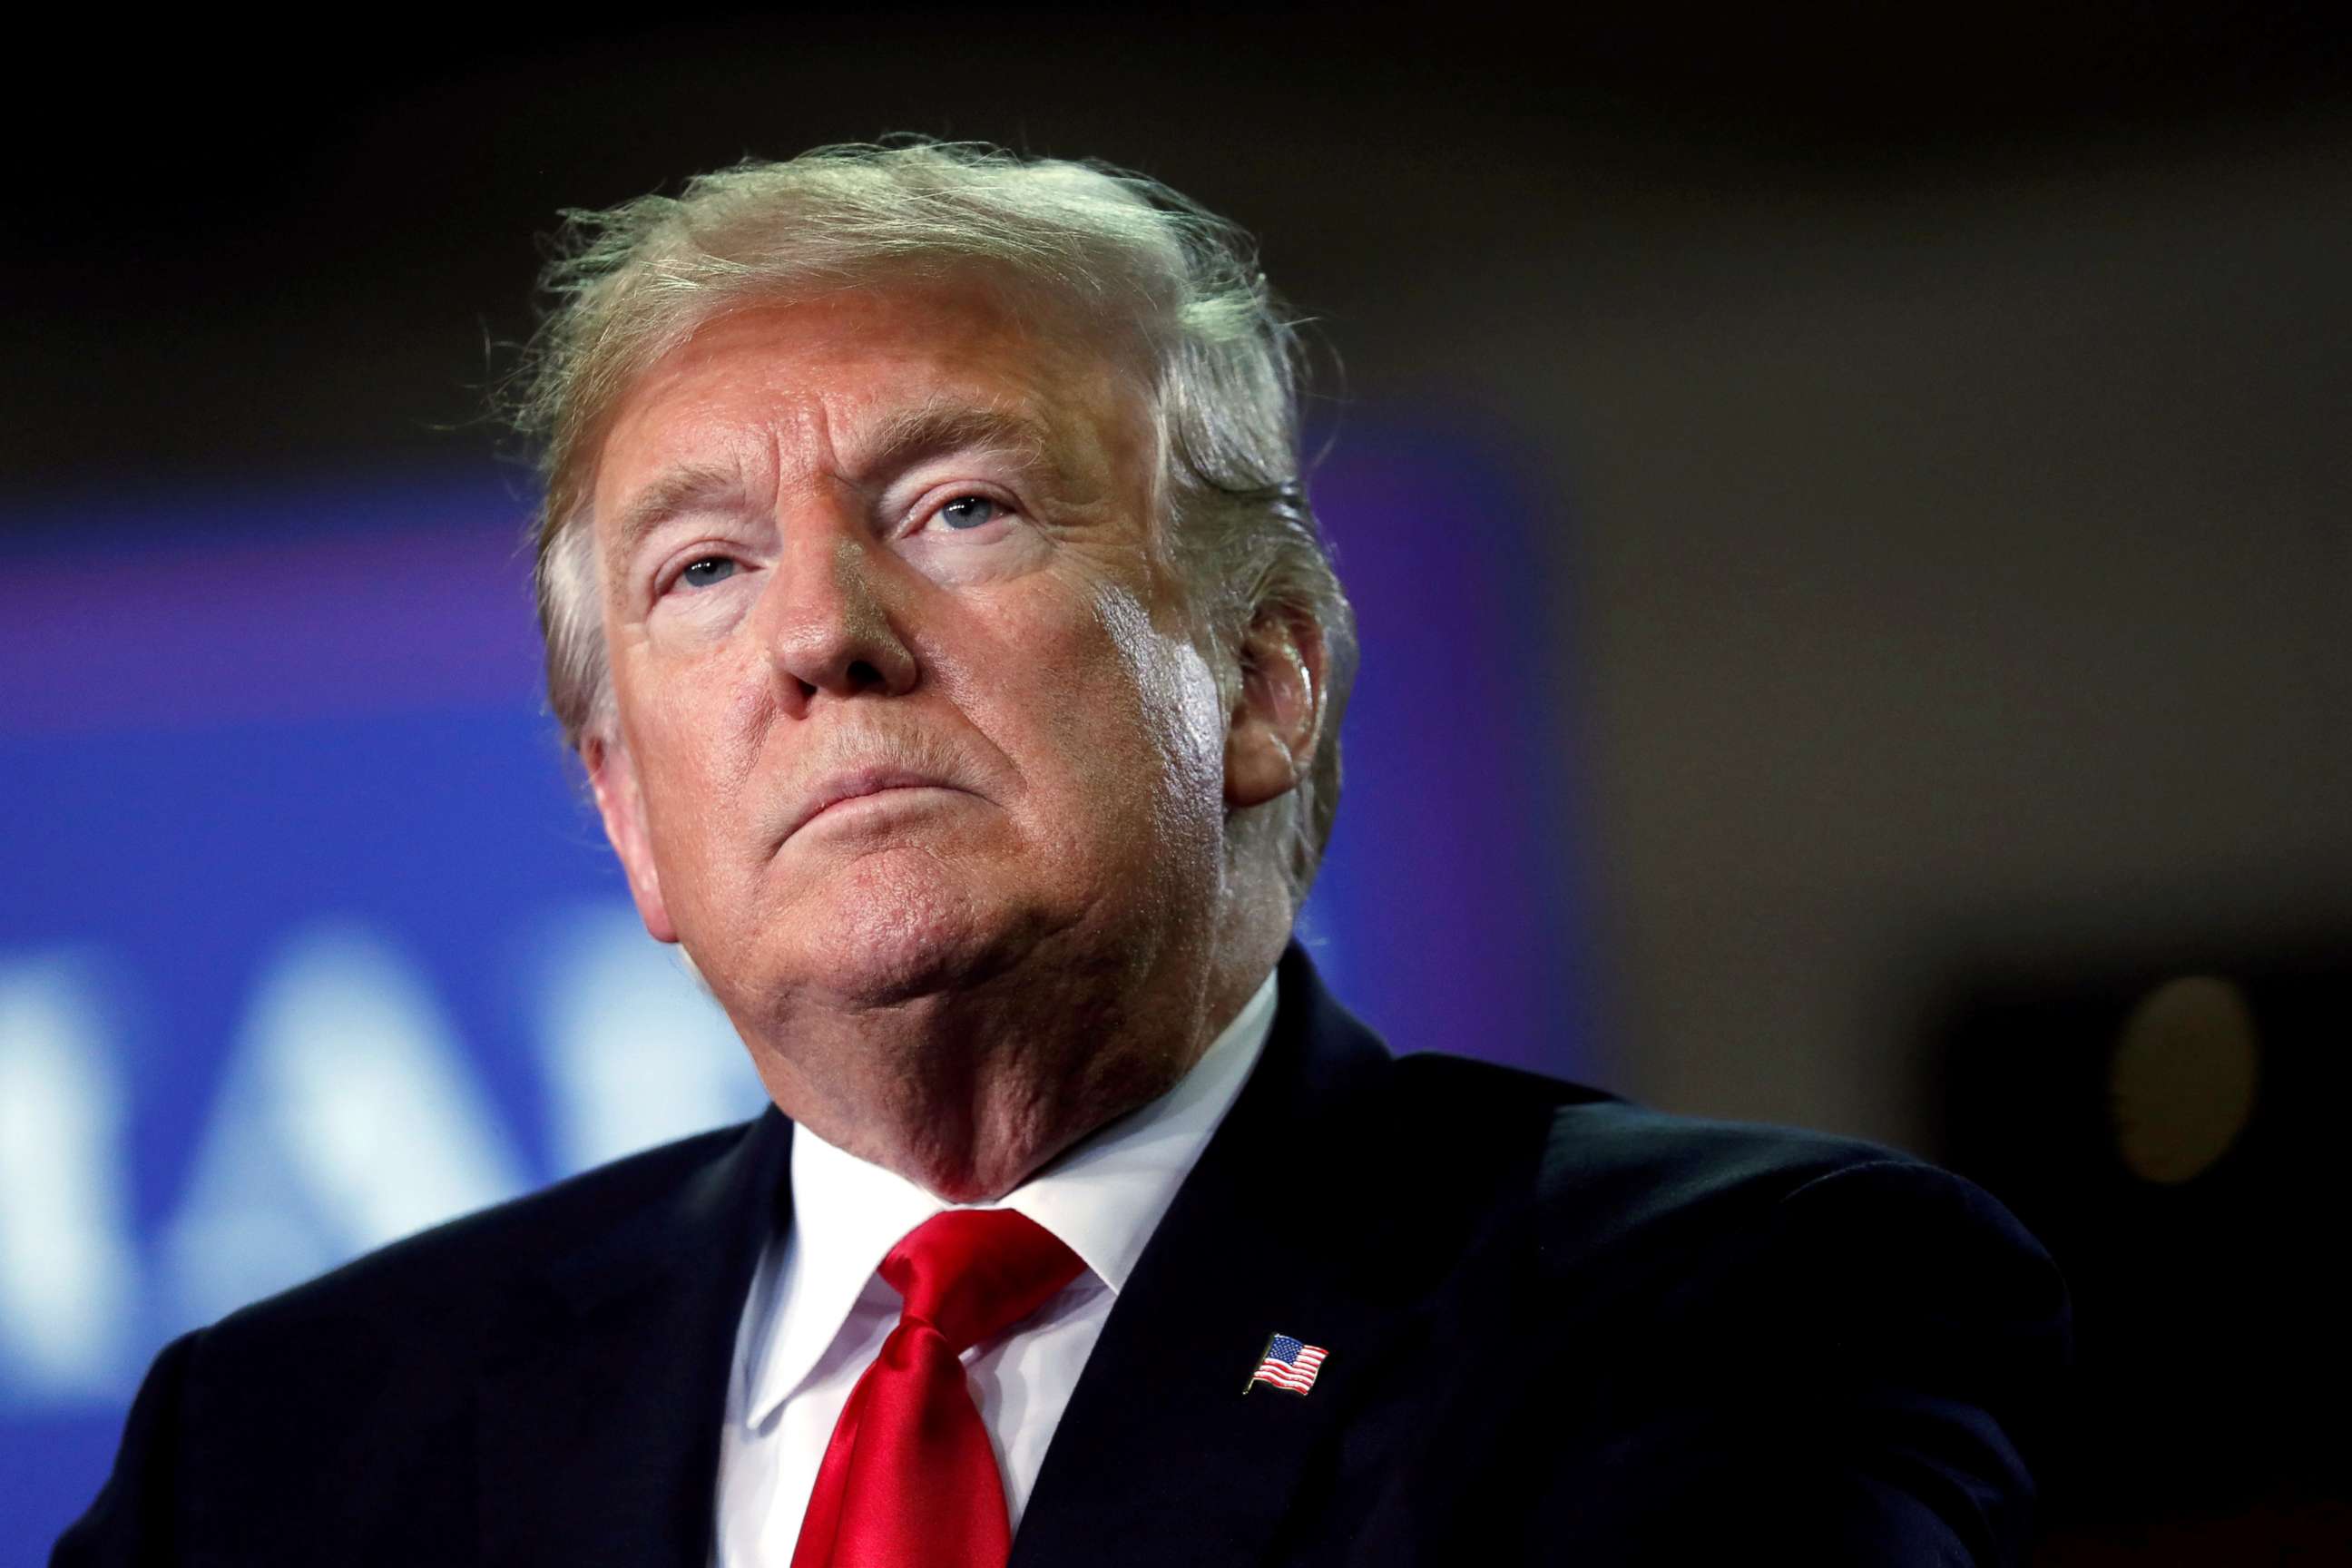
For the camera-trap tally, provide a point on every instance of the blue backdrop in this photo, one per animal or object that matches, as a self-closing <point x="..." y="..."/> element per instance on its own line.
<point x="309" y="941"/>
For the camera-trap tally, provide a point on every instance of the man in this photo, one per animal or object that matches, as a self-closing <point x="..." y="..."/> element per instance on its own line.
<point x="931" y="598"/>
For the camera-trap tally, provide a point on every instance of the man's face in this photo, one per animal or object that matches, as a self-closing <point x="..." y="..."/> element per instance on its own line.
<point x="903" y="698"/>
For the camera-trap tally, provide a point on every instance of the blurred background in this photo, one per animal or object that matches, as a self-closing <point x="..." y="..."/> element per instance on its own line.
<point x="1849" y="522"/>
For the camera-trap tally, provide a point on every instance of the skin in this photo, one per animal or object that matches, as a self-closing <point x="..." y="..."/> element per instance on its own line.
<point x="895" y="542"/>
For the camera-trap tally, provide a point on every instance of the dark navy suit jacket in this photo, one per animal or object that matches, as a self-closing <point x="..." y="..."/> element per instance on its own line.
<point x="1561" y="1329"/>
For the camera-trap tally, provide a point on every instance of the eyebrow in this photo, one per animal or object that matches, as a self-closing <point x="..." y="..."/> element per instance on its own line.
<point x="944" y="424"/>
<point x="907" y="435"/>
<point x="679" y="491"/>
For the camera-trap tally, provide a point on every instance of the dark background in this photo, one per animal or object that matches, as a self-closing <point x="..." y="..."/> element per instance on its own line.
<point x="1939" y="434"/>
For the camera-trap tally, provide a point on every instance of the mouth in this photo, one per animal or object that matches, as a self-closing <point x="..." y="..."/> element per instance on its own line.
<point x="845" y="790"/>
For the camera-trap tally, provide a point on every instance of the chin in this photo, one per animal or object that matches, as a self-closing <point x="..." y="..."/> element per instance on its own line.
<point x="901" y="927"/>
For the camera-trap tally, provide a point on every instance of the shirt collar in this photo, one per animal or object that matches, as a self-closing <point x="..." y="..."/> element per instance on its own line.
<point x="1102" y="1198"/>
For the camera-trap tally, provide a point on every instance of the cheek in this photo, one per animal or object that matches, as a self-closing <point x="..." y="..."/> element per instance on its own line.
<point x="1192" y="728"/>
<point x="1162" y="688"/>
<point x="1112" y="724"/>
<point x="702" y="726"/>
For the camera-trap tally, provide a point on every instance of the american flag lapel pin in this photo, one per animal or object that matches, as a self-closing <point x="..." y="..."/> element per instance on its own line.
<point x="1287" y="1364"/>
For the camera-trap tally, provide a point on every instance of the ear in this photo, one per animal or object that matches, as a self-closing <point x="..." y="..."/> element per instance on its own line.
<point x="1278" y="717"/>
<point x="612" y="775"/>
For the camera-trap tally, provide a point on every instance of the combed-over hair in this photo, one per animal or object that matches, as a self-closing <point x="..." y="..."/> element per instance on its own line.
<point x="628" y="284"/>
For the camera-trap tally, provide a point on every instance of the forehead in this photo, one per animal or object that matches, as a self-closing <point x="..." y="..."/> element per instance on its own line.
<point x="803" y="381"/>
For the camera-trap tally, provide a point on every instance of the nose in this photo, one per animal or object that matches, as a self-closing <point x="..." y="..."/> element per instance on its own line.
<point x="828" y="629"/>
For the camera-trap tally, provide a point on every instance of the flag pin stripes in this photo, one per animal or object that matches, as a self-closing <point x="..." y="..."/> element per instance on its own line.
<point x="1288" y="1364"/>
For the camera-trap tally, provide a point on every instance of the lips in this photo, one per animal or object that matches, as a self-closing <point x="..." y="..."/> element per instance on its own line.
<point x="857" y="784"/>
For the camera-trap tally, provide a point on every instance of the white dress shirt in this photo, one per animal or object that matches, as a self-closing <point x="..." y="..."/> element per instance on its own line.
<point x="818" y="1311"/>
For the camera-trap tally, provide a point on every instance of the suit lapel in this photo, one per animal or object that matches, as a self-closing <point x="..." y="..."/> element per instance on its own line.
<point x="1160" y="1458"/>
<point x="598" y="1434"/>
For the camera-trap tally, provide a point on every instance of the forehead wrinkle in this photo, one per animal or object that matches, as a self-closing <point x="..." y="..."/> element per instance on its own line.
<point x="756" y="461"/>
<point x="945" y="422"/>
<point x="797" y="440"/>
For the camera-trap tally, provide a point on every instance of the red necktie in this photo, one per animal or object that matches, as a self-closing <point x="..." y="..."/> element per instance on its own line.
<point x="908" y="1479"/>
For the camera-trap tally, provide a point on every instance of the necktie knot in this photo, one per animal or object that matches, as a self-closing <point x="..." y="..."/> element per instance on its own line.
<point x="970" y="1274"/>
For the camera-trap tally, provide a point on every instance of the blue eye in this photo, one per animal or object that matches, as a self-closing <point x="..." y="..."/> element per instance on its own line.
<point x="966" y="512"/>
<point x="705" y="573"/>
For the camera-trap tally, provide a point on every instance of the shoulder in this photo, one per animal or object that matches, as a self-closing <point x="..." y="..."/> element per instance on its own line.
<point x="1867" y="1348"/>
<point x="452" y="1287"/>
<point x="360" y="1383"/>
<point x="1612" y="1190"/>
<point x="1573" y="1143"/>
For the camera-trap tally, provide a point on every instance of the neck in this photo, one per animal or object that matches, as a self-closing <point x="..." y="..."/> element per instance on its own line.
<point x="969" y="1093"/>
